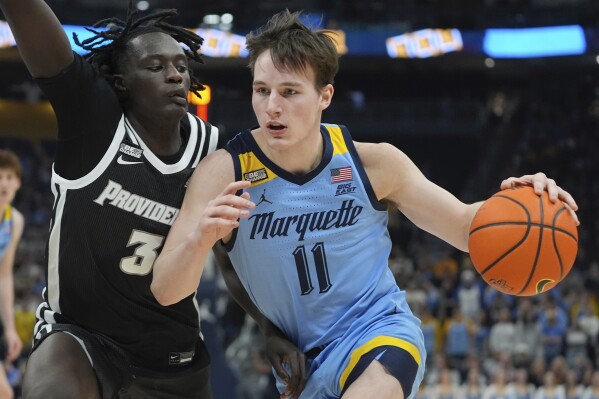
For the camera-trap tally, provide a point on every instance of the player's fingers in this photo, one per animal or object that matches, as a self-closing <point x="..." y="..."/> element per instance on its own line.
<point x="567" y="199"/>
<point x="507" y="183"/>
<point x="218" y="210"/>
<point x="302" y="374"/>
<point x="232" y="201"/>
<point x="512" y="182"/>
<point x="540" y="182"/>
<point x="572" y="213"/>
<point x="235" y="186"/>
<point x="297" y="365"/>
<point x="281" y="372"/>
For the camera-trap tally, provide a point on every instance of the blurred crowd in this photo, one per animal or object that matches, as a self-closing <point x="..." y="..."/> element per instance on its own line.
<point x="481" y="343"/>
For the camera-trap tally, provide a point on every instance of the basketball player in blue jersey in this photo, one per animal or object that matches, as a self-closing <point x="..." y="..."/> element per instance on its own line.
<point x="302" y="211"/>
<point x="126" y="148"/>
<point x="11" y="229"/>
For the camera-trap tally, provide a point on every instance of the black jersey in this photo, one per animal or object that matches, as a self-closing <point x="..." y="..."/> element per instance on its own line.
<point x="110" y="220"/>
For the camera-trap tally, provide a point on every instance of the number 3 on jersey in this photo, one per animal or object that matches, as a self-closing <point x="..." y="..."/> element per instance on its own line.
<point x="303" y="270"/>
<point x="142" y="261"/>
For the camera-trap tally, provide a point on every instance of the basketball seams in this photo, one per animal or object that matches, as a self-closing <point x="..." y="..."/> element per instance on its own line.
<point x="506" y="253"/>
<point x="542" y="226"/>
<point x="517" y="258"/>
<point x="539" y="244"/>
<point x="559" y="257"/>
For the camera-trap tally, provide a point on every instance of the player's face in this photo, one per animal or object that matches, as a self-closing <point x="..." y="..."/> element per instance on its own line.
<point x="156" y="76"/>
<point x="9" y="184"/>
<point x="287" y="105"/>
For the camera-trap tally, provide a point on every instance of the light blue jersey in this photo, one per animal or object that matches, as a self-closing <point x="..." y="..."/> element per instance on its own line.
<point x="313" y="256"/>
<point x="6" y="226"/>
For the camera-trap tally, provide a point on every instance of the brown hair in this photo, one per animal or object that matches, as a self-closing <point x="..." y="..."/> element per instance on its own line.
<point x="294" y="46"/>
<point x="9" y="160"/>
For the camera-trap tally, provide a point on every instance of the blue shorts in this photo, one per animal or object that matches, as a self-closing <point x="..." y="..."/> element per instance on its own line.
<point x="395" y="340"/>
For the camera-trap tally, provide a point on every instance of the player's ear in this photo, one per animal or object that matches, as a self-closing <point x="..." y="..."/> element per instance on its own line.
<point x="326" y="96"/>
<point x="119" y="83"/>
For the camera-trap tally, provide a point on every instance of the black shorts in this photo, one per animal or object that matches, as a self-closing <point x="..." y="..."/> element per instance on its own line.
<point x="120" y="379"/>
<point x="3" y="344"/>
<point x="3" y="348"/>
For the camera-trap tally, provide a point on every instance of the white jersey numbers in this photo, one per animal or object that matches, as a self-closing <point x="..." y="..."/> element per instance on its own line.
<point x="145" y="254"/>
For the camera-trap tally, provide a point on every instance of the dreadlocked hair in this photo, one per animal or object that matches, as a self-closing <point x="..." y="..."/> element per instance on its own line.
<point x="111" y="35"/>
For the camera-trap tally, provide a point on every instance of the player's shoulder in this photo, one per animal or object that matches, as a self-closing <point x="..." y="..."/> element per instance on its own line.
<point x="18" y="220"/>
<point x="379" y="155"/>
<point x="219" y="159"/>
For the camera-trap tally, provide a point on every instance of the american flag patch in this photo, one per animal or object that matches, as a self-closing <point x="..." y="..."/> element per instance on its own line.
<point x="341" y="174"/>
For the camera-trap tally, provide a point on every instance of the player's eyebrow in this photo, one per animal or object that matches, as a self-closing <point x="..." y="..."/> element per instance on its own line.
<point x="290" y="83"/>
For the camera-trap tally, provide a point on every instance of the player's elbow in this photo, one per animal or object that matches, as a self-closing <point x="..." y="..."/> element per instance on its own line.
<point x="162" y="295"/>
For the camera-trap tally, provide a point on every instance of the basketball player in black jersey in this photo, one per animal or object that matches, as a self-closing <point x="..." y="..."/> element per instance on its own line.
<point x="126" y="147"/>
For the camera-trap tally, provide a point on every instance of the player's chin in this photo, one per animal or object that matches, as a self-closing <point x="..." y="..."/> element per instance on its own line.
<point x="175" y="111"/>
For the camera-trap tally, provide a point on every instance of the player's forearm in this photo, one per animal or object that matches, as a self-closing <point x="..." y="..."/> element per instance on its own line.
<point x="177" y="272"/>
<point x="7" y="302"/>
<point x="41" y="40"/>
<point x="239" y="293"/>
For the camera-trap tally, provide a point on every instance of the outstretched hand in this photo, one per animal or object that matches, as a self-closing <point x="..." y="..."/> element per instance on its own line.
<point x="540" y="182"/>
<point x="289" y="364"/>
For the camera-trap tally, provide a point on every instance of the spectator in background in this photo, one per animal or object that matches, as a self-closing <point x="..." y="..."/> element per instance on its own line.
<point x="537" y="371"/>
<point x="446" y="387"/>
<point x="11" y="229"/>
<point x="527" y="334"/>
<point x="469" y="294"/>
<point x="431" y="329"/>
<point x="572" y="386"/>
<point x="552" y="335"/>
<point x="576" y="341"/>
<point x="592" y="391"/>
<point x="520" y="387"/>
<point x="589" y="323"/>
<point x="458" y="331"/>
<point x="502" y="335"/>
<point x="474" y="385"/>
<point x="549" y="389"/>
<point x="498" y="389"/>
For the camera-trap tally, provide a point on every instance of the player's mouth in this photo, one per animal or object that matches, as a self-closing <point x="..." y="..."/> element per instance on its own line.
<point x="275" y="127"/>
<point x="179" y="97"/>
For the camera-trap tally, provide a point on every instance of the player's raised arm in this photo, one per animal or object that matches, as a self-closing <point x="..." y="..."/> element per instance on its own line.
<point x="211" y="210"/>
<point x="41" y="41"/>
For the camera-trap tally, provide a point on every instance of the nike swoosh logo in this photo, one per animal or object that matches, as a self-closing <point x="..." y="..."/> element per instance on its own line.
<point x="123" y="162"/>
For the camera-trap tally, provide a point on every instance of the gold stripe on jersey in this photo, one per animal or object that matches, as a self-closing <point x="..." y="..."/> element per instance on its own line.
<point x="7" y="214"/>
<point x="375" y="343"/>
<point x="250" y="164"/>
<point x="339" y="146"/>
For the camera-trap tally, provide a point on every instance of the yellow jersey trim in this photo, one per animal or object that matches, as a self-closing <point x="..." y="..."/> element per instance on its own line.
<point x="253" y="170"/>
<point x="375" y="343"/>
<point x="339" y="146"/>
<point x="7" y="214"/>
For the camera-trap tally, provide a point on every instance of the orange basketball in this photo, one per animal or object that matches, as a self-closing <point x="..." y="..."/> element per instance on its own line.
<point x="521" y="243"/>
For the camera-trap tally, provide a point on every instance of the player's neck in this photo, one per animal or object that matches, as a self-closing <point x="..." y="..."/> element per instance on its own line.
<point x="162" y="139"/>
<point x="299" y="159"/>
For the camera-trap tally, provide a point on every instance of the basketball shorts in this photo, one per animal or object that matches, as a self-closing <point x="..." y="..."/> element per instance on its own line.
<point x="3" y="344"/>
<point x="395" y="340"/>
<point x="120" y="379"/>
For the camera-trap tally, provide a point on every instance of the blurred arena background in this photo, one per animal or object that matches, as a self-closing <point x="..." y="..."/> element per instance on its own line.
<point x="467" y="90"/>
